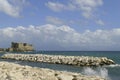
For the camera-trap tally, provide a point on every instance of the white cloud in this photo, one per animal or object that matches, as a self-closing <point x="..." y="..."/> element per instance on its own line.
<point x="86" y="6"/>
<point x="51" y="37"/>
<point x="57" y="7"/>
<point x="11" y="7"/>
<point x="54" y="20"/>
<point x="100" y="22"/>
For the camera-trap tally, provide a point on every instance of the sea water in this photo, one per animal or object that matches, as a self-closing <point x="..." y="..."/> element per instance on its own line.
<point x="111" y="72"/>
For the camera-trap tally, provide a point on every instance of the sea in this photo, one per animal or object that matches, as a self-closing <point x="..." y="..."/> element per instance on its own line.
<point x="111" y="72"/>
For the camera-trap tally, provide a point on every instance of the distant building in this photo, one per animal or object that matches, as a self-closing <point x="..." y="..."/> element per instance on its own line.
<point x="19" y="47"/>
<point x="2" y="49"/>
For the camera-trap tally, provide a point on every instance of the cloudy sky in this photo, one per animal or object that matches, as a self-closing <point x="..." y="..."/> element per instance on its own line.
<point x="61" y="24"/>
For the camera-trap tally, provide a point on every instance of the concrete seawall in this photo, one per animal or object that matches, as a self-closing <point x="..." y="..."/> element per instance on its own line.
<point x="59" y="59"/>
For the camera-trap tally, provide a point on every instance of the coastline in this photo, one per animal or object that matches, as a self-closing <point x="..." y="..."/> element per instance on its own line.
<point x="33" y="58"/>
<point x="12" y="71"/>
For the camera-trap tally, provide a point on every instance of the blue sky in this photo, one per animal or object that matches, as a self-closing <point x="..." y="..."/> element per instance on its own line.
<point x="61" y="24"/>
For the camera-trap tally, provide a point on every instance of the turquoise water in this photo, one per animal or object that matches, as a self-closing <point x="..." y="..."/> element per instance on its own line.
<point x="110" y="72"/>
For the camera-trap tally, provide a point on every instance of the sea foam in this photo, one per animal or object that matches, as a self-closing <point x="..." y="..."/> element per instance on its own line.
<point x="115" y="65"/>
<point x="100" y="71"/>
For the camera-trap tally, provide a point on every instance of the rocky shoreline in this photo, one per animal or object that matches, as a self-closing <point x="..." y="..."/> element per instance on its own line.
<point x="12" y="71"/>
<point x="60" y="59"/>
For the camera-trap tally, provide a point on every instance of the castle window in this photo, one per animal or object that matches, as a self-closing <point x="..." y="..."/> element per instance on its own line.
<point x="24" y="44"/>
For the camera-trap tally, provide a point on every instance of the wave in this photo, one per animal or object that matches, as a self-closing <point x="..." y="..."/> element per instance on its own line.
<point x="100" y="71"/>
<point x="113" y="66"/>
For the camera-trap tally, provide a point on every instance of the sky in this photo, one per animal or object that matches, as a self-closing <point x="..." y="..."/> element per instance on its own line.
<point x="61" y="25"/>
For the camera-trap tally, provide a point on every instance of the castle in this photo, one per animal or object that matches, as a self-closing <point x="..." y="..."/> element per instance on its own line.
<point x="18" y="47"/>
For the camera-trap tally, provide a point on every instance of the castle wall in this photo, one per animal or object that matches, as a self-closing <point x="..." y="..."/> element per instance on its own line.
<point x="20" y="47"/>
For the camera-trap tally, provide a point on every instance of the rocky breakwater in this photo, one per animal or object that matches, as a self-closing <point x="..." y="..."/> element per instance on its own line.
<point x="12" y="71"/>
<point x="60" y="59"/>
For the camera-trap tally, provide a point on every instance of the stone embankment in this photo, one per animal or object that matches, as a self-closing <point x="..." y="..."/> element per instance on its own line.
<point x="12" y="71"/>
<point x="59" y="59"/>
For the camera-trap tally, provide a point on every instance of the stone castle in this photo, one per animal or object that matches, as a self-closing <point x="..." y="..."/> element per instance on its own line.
<point x="19" y="47"/>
